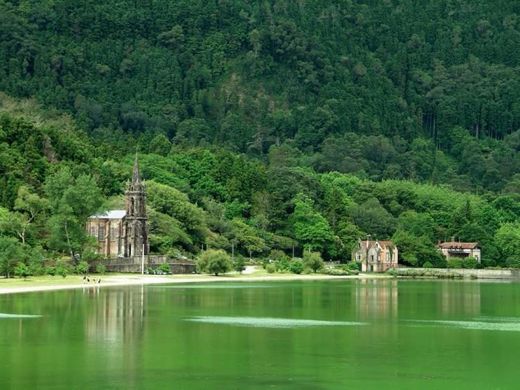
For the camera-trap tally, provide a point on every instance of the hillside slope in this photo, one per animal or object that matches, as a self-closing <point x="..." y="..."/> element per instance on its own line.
<point x="53" y="177"/>
<point x="425" y="90"/>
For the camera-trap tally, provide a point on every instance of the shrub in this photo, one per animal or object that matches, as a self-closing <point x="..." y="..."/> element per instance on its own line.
<point x="278" y="255"/>
<point x="488" y="263"/>
<point x="270" y="268"/>
<point x="513" y="263"/>
<point x="89" y="256"/>
<point x="296" y="266"/>
<point x="336" y="271"/>
<point x="165" y="268"/>
<point x="50" y="270"/>
<point x="62" y="269"/>
<point x="313" y="261"/>
<point x="392" y="271"/>
<point x="36" y="269"/>
<point x="470" y="262"/>
<point x="282" y="264"/>
<point x="354" y="266"/>
<point x="454" y="263"/>
<point x="427" y="265"/>
<point x="82" y="268"/>
<point x="22" y="271"/>
<point x="101" y="269"/>
<point x="239" y="264"/>
<point x="214" y="262"/>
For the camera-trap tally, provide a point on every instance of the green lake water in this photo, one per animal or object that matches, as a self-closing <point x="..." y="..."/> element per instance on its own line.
<point x="357" y="334"/>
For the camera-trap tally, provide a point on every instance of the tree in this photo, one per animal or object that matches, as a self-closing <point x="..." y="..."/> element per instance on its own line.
<point x="186" y="224"/>
<point x="11" y="252"/>
<point x="418" y="224"/>
<point x="309" y="226"/>
<point x="416" y="251"/>
<point x="247" y="237"/>
<point x="313" y="261"/>
<point x="160" y="144"/>
<point x="239" y="264"/>
<point x="507" y="238"/>
<point x="214" y="262"/>
<point x="373" y="218"/>
<point x="72" y="201"/>
<point x="22" y="270"/>
<point x="30" y="206"/>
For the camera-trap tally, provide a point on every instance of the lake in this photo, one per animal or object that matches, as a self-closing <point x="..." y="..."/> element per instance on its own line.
<point x="395" y="334"/>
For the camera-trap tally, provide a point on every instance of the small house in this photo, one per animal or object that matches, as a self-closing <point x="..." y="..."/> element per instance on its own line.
<point x="460" y="250"/>
<point x="375" y="256"/>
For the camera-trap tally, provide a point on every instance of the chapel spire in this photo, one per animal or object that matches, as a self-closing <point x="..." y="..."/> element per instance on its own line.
<point x="136" y="177"/>
<point x="136" y="185"/>
<point x="136" y="219"/>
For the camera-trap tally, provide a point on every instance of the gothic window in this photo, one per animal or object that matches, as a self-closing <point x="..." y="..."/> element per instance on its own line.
<point x="113" y="233"/>
<point x="101" y="233"/>
<point x="132" y="205"/>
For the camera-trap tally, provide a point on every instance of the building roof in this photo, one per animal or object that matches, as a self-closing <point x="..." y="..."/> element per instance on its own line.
<point x="110" y="214"/>
<point x="371" y="243"/>
<point x="458" y="245"/>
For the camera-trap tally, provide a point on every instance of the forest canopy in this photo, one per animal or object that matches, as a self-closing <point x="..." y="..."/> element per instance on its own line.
<point x="424" y="90"/>
<point x="262" y="126"/>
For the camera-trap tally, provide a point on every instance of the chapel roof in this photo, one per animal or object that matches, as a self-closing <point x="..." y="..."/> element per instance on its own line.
<point x="110" y="214"/>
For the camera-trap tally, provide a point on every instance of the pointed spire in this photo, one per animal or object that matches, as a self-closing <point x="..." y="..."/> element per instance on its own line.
<point x="136" y="177"/>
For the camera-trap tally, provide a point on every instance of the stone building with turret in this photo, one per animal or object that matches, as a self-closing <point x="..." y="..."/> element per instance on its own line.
<point x="123" y="233"/>
<point x="376" y="256"/>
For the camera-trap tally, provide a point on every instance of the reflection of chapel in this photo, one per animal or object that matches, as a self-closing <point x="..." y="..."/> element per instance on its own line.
<point x="123" y="233"/>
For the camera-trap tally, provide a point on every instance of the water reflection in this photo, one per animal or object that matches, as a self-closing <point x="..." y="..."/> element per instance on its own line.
<point x="139" y="338"/>
<point x="376" y="299"/>
<point x="459" y="298"/>
<point x="117" y="315"/>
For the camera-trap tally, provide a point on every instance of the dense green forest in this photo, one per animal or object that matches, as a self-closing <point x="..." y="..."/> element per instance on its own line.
<point x="263" y="125"/>
<point x="424" y="90"/>
<point x="54" y="177"/>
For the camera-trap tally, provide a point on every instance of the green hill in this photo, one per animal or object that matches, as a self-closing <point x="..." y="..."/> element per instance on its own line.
<point x="54" y="177"/>
<point x="262" y="126"/>
<point x="425" y="90"/>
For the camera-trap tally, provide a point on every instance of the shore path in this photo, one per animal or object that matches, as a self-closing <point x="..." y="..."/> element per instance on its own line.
<point x="51" y="284"/>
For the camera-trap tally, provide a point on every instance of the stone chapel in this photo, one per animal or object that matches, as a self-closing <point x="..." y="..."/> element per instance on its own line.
<point x="123" y="233"/>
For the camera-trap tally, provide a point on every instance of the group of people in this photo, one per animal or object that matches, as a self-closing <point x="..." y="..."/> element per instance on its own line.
<point x="88" y="280"/>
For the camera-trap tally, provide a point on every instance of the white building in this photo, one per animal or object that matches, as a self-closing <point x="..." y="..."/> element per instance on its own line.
<point x="460" y="250"/>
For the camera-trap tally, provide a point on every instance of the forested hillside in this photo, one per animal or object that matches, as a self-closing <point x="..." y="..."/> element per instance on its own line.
<point x="424" y="90"/>
<point x="53" y="177"/>
<point x="262" y="127"/>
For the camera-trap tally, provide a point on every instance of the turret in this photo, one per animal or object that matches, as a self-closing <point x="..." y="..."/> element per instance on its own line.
<point x="136" y="218"/>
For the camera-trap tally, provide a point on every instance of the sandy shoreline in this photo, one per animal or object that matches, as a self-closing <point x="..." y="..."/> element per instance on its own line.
<point x="137" y="280"/>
